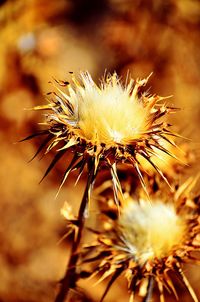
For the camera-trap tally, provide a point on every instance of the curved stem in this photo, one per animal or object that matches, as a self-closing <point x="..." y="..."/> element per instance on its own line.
<point x="70" y="278"/>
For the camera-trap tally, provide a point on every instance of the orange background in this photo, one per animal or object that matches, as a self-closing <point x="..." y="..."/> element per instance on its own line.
<point x="42" y="39"/>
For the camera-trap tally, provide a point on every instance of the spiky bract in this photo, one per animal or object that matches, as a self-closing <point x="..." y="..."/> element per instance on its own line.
<point x="147" y="239"/>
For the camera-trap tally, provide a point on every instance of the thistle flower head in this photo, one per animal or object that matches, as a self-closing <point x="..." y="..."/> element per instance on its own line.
<point x="146" y="240"/>
<point x="151" y="230"/>
<point x="109" y="123"/>
<point x="110" y="114"/>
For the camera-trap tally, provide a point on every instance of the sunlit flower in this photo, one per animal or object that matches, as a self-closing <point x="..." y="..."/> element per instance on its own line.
<point x="148" y="240"/>
<point x="105" y="124"/>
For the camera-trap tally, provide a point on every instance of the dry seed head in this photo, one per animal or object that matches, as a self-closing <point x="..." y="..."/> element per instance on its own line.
<point x="109" y="123"/>
<point x="112" y="114"/>
<point x="151" y="230"/>
<point x="148" y="239"/>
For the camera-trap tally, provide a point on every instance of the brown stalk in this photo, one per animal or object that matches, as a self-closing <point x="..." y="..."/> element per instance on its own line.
<point x="70" y="278"/>
<point x="150" y="285"/>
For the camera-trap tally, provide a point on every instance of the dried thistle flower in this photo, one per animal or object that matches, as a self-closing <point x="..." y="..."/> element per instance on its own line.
<point x="147" y="240"/>
<point x="109" y="123"/>
<point x="101" y="125"/>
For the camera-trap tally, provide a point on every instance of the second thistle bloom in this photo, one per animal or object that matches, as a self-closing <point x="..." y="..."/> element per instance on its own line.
<point x="147" y="241"/>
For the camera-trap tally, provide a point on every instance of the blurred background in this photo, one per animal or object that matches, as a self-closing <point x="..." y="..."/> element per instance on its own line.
<point x="45" y="39"/>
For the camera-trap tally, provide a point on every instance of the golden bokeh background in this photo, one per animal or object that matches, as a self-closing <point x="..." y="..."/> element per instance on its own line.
<point x="45" y="39"/>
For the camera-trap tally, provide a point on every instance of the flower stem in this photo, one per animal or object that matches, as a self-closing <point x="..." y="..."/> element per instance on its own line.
<point x="70" y="278"/>
<point x="148" y="296"/>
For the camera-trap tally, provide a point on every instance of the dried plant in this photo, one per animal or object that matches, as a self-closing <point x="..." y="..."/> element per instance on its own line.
<point x="145" y="240"/>
<point x="102" y="126"/>
<point x="108" y="124"/>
